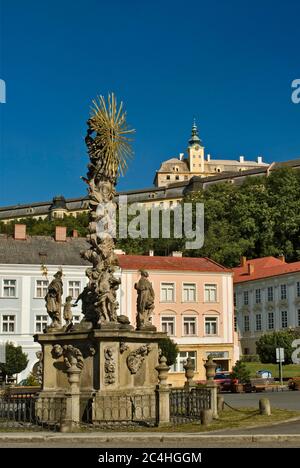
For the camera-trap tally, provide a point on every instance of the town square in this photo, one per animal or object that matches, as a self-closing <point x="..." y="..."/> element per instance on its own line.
<point x="149" y="228"/>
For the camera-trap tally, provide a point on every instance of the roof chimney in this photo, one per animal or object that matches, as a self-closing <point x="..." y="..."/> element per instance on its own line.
<point x="242" y="159"/>
<point x="151" y="253"/>
<point x="60" y="233"/>
<point x="176" y="253"/>
<point x="259" y="160"/>
<point x="243" y="261"/>
<point x="181" y="156"/>
<point x="282" y="258"/>
<point x="20" y="232"/>
<point x="208" y="157"/>
<point x="74" y="233"/>
<point x="250" y="268"/>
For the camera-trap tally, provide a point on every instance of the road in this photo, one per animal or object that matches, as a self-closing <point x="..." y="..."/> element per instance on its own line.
<point x="284" y="400"/>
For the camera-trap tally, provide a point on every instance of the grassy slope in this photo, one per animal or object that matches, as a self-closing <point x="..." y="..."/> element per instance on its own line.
<point x="290" y="370"/>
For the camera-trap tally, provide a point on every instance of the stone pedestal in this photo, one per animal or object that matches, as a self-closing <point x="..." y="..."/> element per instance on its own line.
<point x="116" y="366"/>
<point x="214" y="398"/>
<point x="162" y="394"/>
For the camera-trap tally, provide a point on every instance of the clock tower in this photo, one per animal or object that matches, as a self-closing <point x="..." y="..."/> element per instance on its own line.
<point x="195" y="151"/>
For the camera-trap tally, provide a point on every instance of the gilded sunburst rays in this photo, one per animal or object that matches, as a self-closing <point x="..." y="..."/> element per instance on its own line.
<point x="112" y="141"/>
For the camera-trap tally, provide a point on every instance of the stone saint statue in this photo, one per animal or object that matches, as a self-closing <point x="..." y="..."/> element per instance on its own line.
<point x="53" y="300"/>
<point x="67" y="314"/>
<point x="145" y="302"/>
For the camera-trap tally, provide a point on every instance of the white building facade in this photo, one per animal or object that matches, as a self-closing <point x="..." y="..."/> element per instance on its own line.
<point x="193" y="296"/>
<point x="267" y="299"/>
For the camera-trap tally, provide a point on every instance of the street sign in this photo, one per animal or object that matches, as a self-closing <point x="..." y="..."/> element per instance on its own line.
<point x="2" y="353"/>
<point x="279" y="354"/>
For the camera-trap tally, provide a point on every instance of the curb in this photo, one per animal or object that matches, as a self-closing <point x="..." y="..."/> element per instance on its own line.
<point x="158" y="438"/>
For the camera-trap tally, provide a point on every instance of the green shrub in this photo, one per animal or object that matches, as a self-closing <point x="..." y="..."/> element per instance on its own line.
<point x="241" y="372"/>
<point x="250" y="358"/>
<point x="16" y="361"/>
<point x="169" y="349"/>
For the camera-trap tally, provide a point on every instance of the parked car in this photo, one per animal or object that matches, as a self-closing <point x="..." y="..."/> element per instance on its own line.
<point x="294" y="383"/>
<point x="264" y="374"/>
<point x="224" y="381"/>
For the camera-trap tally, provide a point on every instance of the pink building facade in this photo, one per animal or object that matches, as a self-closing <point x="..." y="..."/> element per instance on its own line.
<point x="193" y="304"/>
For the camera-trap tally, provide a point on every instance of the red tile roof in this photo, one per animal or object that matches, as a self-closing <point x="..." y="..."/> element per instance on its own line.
<point x="145" y="262"/>
<point x="263" y="268"/>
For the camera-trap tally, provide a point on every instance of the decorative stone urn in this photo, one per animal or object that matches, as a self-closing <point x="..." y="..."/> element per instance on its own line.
<point x="210" y="368"/>
<point x="162" y="370"/>
<point x="189" y="371"/>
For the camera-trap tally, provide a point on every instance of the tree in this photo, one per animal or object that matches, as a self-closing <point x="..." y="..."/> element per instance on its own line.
<point x="267" y="344"/>
<point x="259" y="218"/>
<point x="241" y="372"/>
<point x="16" y="361"/>
<point x="169" y="349"/>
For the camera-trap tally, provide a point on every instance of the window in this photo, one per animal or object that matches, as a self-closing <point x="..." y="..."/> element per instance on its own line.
<point x="270" y="294"/>
<point x="9" y="288"/>
<point x="189" y="326"/>
<point x="234" y="299"/>
<point x="41" y="287"/>
<point x="235" y="323"/>
<point x="74" y="289"/>
<point x="211" y="325"/>
<point x="283" y="292"/>
<point x="258" y="322"/>
<point x="210" y="293"/>
<point x="246" y="297"/>
<point x="168" y="177"/>
<point x="168" y="325"/>
<point x="177" y="177"/>
<point x="167" y="292"/>
<point x="284" y="319"/>
<point x="8" y="323"/>
<point x="189" y="292"/>
<point x="181" y="360"/>
<point x="298" y="288"/>
<point x="41" y="321"/>
<point x="246" y="323"/>
<point x="257" y="296"/>
<point x="298" y="317"/>
<point x="270" y="320"/>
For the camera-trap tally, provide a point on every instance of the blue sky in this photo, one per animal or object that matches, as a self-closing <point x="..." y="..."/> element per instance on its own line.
<point x="229" y="63"/>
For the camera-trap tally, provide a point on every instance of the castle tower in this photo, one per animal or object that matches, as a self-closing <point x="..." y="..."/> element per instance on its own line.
<point x="195" y="151"/>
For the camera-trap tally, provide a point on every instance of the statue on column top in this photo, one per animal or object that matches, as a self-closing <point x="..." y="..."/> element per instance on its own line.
<point x="145" y="302"/>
